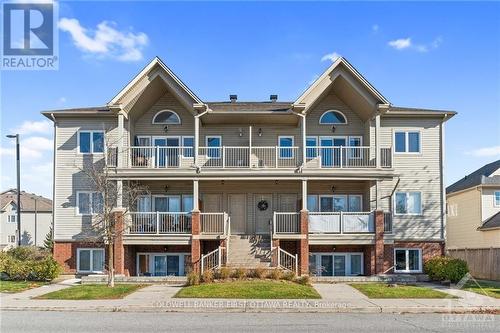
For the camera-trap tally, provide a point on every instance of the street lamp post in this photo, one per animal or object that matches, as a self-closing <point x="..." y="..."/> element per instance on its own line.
<point x="18" y="166"/>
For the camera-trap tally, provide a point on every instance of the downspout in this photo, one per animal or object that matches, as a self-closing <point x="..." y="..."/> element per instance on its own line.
<point x="54" y="180"/>
<point x="304" y="155"/>
<point x="441" y="177"/>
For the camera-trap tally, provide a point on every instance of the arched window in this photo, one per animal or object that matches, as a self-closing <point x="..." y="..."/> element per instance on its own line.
<point x="332" y="117"/>
<point x="166" y="117"/>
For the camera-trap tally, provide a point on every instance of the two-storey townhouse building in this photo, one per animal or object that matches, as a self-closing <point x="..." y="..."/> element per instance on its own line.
<point x="338" y="182"/>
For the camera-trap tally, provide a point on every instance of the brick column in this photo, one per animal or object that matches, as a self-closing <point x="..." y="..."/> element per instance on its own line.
<point x="379" y="242"/>
<point x="195" y="240"/>
<point x="119" y="250"/>
<point x="304" y="243"/>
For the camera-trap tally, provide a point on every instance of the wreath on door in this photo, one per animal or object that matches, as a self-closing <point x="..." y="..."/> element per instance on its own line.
<point x="263" y="205"/>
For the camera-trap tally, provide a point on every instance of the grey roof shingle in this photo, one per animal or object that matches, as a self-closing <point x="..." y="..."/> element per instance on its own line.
<point x="27" y="201"/>
<point x="250" y="106"/>
<point x="479" y="177"/>
<point x="492" y="222"/>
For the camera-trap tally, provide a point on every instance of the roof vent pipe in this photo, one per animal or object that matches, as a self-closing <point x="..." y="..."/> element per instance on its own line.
<point x="233" y="98"/>
<point x="273" y="98"/>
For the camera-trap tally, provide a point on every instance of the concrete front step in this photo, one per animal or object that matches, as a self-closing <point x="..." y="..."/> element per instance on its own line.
<point x="249" y="251"/>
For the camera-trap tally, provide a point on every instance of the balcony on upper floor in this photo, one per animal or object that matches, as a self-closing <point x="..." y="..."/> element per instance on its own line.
<point x="254" y="158"/>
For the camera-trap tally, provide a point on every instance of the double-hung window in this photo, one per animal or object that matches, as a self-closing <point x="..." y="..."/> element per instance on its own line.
<point x="91" y="142"/>
<point x="89" y="203"/>
<point x="188" y="146"/>
<point x="214" y="144"/>
<point x="311" y="144"/>
<point x="407" y="142"/>
<point x="497" y="198"/>
<point x="12" y="217"/>
<point x="284" y="142"/>
<point x="90" y="260"/>
<point x="408" y="203"/>
<point x="407" y="260"/>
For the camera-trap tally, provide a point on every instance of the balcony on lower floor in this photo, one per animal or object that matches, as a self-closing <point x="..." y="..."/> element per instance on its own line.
<point x="255" y="158"/>
<point x="175" y="223"/>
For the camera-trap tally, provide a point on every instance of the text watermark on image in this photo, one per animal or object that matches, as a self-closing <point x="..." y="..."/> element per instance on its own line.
<point x="261" y="304"/>
<point x="29" y="36"/>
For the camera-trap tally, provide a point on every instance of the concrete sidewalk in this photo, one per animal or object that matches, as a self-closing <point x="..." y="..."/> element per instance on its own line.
<point x="335" y="298"/>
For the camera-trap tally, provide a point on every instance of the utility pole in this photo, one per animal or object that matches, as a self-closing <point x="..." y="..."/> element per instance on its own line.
<point x="18" y="166"/>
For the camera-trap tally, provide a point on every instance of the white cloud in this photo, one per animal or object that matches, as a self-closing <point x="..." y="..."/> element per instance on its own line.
<point x="330" y="57"/>
<point x="62" y="100"/>
<point x="28" y="127"/>
<point x="375" y="28"/>
<point x="406" y="43"/>
<point x="33" y="147"/>
<point x="400" y="44"/>
<point x="106" y="40"/>
<point x="485" y="152"/>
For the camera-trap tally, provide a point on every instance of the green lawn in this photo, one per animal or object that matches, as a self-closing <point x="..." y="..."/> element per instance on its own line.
<point x="17" y="286"/>
<point x="488" y="288"/>
<point x="259" y="289"/>
<point x="93" y="291"/>
<point x="382" y="290"/>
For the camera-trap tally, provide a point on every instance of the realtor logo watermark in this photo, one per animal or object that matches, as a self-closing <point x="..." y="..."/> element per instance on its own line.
<point x="29" y="36"/>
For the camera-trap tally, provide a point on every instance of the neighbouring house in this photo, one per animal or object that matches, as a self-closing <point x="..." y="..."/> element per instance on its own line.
<point x="338" y="182"/>
<point x="473" y="228"/>
<point x="36" y="219"/>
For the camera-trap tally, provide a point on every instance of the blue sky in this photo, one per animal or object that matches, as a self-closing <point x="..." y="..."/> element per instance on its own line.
<point x="432" y="55"/>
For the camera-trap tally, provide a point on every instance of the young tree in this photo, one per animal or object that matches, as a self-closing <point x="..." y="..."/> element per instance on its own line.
<point x="48" y="243"/>
<point x="107" y="195"/>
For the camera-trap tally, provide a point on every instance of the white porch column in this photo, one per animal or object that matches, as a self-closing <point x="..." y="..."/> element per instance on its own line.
<point x="121" y="139"/>
<point x="378" y="155"/>
<point x="250" y="146"/>
<point x="304" y="140"/>
<point x="196" y="138"/>
<point x="376" y="194"/>
<point x="304" y="194"/>
<point x="119" y="196"/>
<point x="196" y="196"/>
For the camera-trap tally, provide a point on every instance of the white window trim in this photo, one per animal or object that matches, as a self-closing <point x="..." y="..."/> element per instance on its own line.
<point x="291" y="148"/>
<point x="90" y="202"/>
<point x="179" y="196"/>
<point x="349" y="202"/>
<point x="495" y="199"/>
<point x="407" y="196"/>
<point x="184" y="147"/>
<point x="11" y="239"/>
<point x="145" y="137"/>
<point x="359" y="148"/>
<point x="332" y="110"/>
<point x="347" y="261"/>
<point x="12" y="218"/>
<point x="78" y="250"/>
<point x="91" y="141"/>
<point x="181" y="255"/>
<point x="207" y="137"/>
<point x="308" y="148"/>
<point x="166" y="110"/>
<point x="407" y="270"/>
<point x="407" y="142"/>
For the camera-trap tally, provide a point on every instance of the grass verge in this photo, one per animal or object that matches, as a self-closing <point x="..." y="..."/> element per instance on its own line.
<point x="488" y="288"/>
<point x="382" y="290"/>
<point x="18" y="286"/>
<point x="259" y="289"/>
<point x="92" y="291"/>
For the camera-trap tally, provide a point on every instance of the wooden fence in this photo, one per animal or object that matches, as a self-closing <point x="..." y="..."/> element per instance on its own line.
<point x="483" y="263"/>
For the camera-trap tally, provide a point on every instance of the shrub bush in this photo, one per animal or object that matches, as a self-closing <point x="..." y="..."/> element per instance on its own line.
<point x="239" y="273"/>
<point x="193" y="278"/>
<point x="224" y="273"/>
<point x="29" y="263"/>
<point x="275" y="274"/>
<point x="207" y="276"/>
<point x="258" y="273"/>
<point x="288" y="275"/>
<point x="446" y="268"/>
<point x="304" y="279"/>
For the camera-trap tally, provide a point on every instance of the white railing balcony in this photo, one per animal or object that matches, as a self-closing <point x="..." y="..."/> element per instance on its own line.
<point x="214" y="223"/>
<point x="341" y="222"/>
<point x="340" y="157"/>
<point x="286" y="223"/>
<point x="245" y="157"/>
<point x="158" y="157"/>
<point x="150" y="223"/>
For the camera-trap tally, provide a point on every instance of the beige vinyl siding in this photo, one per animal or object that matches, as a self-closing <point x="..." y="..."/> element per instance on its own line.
<point x="355" y="126"/>
<point x="144" y="126"/>
<point x="68" y="176"/>
<point x="417" y="172"/>
<point x="464" y="217"/>
<point x="488" y="203"/>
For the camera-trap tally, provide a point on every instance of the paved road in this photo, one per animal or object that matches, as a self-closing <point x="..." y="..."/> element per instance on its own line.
<point x="55" y="322"/>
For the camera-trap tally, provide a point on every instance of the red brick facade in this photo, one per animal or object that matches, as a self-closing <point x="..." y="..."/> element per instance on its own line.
<point x="65" y="253"/>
